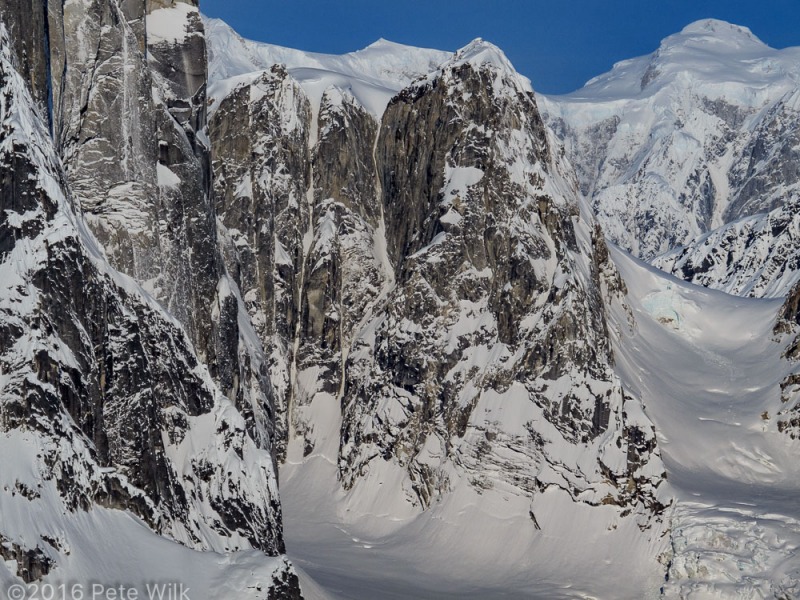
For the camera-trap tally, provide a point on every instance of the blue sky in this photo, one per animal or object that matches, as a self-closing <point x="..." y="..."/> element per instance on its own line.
<point x="559" y="44"/>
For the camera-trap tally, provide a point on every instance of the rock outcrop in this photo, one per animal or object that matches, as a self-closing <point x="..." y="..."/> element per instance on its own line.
<point x="131" y="376"/>
<point x="422" y="276"/>
<point x="788" y="326"/>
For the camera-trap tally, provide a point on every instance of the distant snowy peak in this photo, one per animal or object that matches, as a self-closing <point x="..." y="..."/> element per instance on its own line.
<point x="709" y="52"/>
<point x="372" y="75"/>
<point x="717" y="33"/>
<point x="670" y="146"/>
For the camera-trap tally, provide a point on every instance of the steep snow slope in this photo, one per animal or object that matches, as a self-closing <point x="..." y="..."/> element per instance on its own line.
<point x="710" y="367"/>
<point x="373" y="75"/>
<point x="673" y="144"/>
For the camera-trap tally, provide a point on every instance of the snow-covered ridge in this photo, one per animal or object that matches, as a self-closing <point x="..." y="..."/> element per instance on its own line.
<point x="382" y="62"/>
<point x="372" y="75"/>
<point x="757" y="256"/>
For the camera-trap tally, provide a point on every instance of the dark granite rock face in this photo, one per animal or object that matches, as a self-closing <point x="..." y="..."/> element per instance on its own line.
<point x="487" y="264"/>
<point x="27" y="24"/>
<point x="444" y="270"/>
<point x="157" y="406"/>
<point x="299" y="219"/>
<point x="32" y="565"/>
<point x="130" y="131"/>
<point x="262" y="172"/>
<point x="788" y="323"/>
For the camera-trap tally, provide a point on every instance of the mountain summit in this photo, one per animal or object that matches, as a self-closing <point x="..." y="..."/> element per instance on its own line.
<point x="672" y="145"/>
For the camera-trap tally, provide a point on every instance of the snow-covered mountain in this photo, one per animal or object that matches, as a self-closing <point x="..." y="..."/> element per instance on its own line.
<point x="428" y="282"/>
<point x="381" y="274"/>
<point x="672" y="145"/>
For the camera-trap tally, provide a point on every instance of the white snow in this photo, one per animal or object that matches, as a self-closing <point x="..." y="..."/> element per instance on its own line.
<point x="367" y="544"/>
<point x="372" y="75"/>
<point x="111" y="547"/>
<point x="480" y="53"/>
<point x="167" y="177"/>
<point x="712" y="54"/>
<point x="711" y="387"/>
<point x="170" y="25"/>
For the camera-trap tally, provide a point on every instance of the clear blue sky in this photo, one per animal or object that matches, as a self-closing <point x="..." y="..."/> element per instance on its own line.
<point x="559" y="44"/>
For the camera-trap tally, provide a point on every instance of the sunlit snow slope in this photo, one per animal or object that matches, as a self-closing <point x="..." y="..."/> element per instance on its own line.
<point x="708" y="368"/>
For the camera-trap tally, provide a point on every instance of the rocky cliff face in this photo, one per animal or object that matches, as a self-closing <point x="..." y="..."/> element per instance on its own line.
<point x="129" y="126"/>
<point x="262" y="167"/>
<point x="788" y="327"/>
<point x="432" y="273"/>
<point x="156" y="402"/>
<point x="758" y="256"/>
<point x="131" y="129"/>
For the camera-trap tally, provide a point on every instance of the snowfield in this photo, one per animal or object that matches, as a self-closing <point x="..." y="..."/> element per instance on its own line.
<point x="710" y="381"/>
